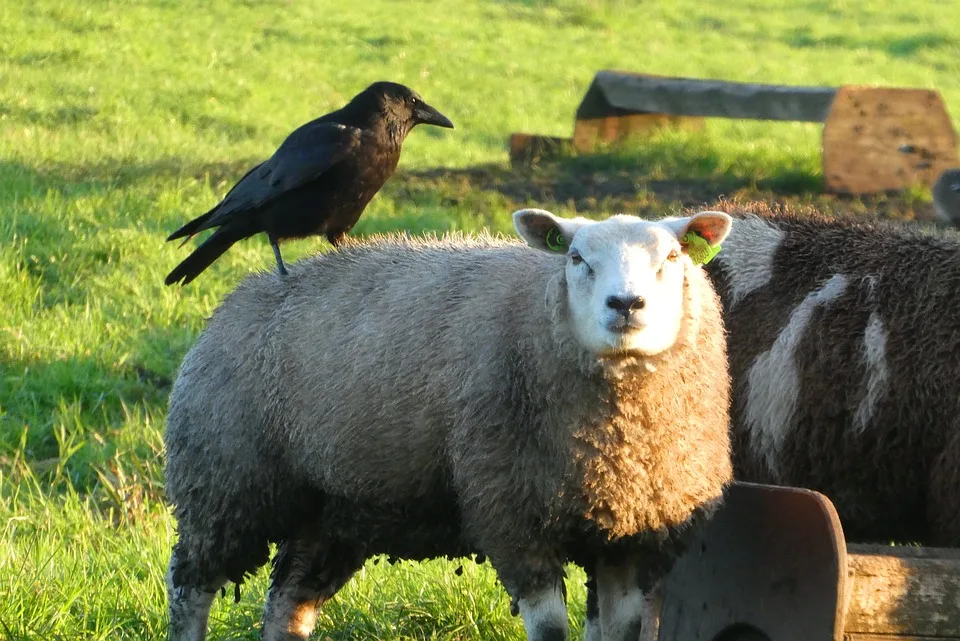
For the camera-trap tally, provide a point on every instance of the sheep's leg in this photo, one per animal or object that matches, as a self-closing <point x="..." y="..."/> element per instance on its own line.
<point x="651" y="614"/>
<point x="306" y="573"/>
<point x="623" y="601"/>
<point x="544" y="613"/>
<point x="619" y="599"/>
<point x="534" y="581"/>
<point x="591" y="627"/>
<point x="189" y="607"/>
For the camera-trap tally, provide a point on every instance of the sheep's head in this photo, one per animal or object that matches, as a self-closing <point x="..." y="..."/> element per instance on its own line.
<point x="624" y="275"/>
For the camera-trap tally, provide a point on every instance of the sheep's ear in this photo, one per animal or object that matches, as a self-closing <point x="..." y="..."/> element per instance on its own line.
<point x="700" y="235"/>
<point x="544" y="231"/>
<point x="712" y="226"/>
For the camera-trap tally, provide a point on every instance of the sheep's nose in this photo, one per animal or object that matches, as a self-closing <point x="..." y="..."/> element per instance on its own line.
<point x="625" y="304"/>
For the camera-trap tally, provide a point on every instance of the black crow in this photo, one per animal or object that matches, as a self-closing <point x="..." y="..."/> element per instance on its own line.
<point x="318" y="181"/>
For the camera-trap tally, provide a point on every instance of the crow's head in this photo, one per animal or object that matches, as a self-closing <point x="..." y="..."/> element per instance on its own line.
<point x="402" y="106"/>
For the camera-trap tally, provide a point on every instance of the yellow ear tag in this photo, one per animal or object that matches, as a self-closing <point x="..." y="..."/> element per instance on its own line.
<point x="698" y="249"/>
<point x="555" y="240"/>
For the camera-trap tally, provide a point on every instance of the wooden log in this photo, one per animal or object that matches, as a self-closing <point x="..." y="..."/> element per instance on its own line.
<point x="620" y="105"/>
<point x="589" y="134"/>
<point x="526" y="148"/>
<point x="645" y="93"/>
<point x="906" y="591"/>
<point x="880" y="139"/>
<point x="899" y="637"/>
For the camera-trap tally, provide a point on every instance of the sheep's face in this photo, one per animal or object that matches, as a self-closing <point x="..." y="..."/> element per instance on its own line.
<point x="625" y="276"/>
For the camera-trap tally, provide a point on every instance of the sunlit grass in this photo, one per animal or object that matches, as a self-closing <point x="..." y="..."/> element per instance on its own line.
<point x="121" y="119"/>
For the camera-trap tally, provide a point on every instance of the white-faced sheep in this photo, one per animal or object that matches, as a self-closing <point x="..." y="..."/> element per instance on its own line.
<point x="843" y="338"/>
<point x="426" y="398"/>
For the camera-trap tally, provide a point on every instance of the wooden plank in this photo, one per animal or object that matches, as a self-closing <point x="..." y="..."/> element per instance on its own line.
<point x="618" y="92"/>
<point x="890" y="637"/>
<point x="903" y="591"/>
<point x="525" y="148"/>
<point x="879" y="139"/>
<point x="905" y="551"/>
<point x="588" y="134"/>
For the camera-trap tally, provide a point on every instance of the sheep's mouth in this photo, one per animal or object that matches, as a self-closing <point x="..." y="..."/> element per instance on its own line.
<point x="621" y="325"/>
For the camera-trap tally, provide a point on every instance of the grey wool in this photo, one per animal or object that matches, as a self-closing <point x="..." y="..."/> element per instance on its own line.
<point x="429" y="397"/>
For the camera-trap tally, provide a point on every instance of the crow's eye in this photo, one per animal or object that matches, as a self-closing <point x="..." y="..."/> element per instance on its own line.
<point x="576" y="258"/>
<point x="673" y="255"/>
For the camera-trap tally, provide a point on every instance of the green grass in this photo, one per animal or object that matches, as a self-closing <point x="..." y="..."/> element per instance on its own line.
<point x="120" y="120"/>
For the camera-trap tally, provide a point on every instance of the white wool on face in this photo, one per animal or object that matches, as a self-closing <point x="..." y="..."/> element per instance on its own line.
<point x="626" y="258"/>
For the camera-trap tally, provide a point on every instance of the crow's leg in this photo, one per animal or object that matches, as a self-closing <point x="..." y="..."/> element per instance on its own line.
<point x="276" y="252"/>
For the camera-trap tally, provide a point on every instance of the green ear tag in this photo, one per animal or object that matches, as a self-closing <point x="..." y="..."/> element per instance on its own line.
<point x="698" y="249"/>
<point x="555" y="240"/>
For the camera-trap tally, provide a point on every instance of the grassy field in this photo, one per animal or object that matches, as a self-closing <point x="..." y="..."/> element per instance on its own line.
<point x="120" y="120"/>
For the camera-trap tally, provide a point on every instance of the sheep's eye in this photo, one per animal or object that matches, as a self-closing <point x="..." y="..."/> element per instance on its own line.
<point x="576" y="258"/>
<point x="673" y="255"/>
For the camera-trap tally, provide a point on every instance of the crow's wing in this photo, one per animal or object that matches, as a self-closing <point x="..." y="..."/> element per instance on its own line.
<point x="304" y="155"/>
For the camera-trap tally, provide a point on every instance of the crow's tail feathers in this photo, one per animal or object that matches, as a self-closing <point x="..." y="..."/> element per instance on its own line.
<point x="202" y="257"/>
<point x="195" y="226"/>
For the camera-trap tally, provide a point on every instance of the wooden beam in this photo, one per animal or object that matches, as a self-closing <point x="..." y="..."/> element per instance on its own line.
<point x="907" y="591"/>
<point x="883" y="139"/>
<point x="527" y="148"/>
<point x="588" y="134"/>
<point x="617" y="93"/>
<point x="898" y="637"/>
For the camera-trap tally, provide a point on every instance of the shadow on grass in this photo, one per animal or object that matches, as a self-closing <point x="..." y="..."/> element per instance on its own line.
<point x="611" y="183"/>
<point x="901" y="46"/>
<point x="648" y="181"/>
<point x="59" y="117"/>
<point x="80" y="415"/>
<point x="591" y="183"/>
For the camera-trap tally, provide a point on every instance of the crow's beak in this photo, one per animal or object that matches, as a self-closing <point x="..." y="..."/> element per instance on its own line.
<point x="429" y="116"/>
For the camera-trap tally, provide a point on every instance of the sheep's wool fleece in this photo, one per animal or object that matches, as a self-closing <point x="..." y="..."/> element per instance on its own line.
<point x="844" y="343"/>
<point x="400" y="371"/>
